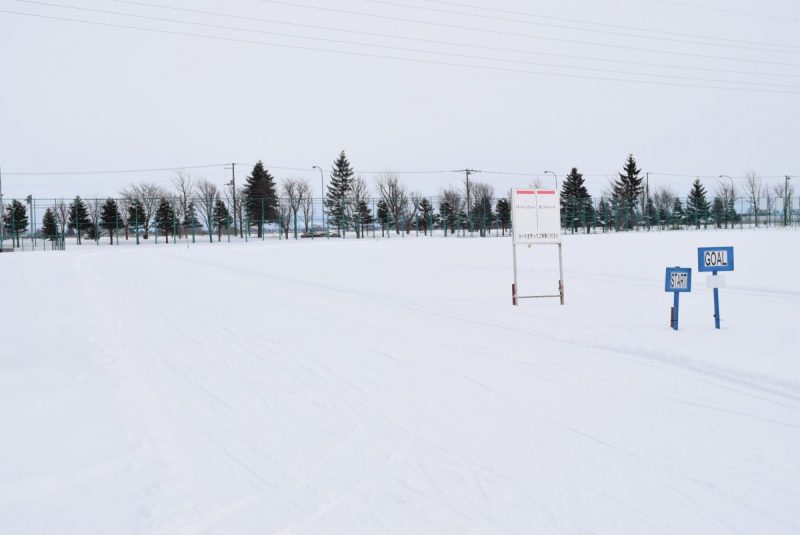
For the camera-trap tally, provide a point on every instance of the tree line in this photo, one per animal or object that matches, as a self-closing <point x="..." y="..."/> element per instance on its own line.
<point x="627" y="203"/>
<point x="189" y="207"/>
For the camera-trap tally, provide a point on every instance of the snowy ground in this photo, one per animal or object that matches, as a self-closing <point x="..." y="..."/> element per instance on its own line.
<point x="389" y="387"/>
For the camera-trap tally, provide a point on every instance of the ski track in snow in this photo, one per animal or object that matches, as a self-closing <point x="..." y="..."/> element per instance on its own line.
<point x="388" y="387"/>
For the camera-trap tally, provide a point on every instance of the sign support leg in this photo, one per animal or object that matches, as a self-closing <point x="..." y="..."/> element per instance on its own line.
<point x="716" y="303"/>
<point x="675" y="307"/>
<point x="560" y="275"/>
<point x="515" y="288"/>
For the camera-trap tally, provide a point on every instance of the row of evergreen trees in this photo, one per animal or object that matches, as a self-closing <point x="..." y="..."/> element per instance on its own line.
<point x="628" y="204"/>
<point x="348" y="206"/>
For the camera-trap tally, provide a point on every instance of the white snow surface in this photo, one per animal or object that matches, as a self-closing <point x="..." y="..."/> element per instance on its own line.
<point x="388" y="386"/>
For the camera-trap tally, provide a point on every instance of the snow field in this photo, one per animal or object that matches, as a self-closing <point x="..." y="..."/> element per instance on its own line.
<point x="388" y="386"/>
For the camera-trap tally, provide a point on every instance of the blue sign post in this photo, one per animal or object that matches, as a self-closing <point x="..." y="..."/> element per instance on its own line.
<point x="715" y="259"/>
<point x="677" y="281"/>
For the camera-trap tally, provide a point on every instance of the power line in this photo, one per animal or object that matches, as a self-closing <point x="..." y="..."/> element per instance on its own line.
<point x="517" y="34"/>
<point x="733" y="11"/>
<point x="413" y="50"/>
<point x="115" y="171"/>
<point x="310" y="169"/>
<point x="399" y="58"/>
<point x="452" y="43"/>
<point x="565" y="27"/>
<point x="607" y="25"/>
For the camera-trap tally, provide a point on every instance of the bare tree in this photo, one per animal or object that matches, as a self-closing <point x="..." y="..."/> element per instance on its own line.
<point x="770" y="200"/>
<point x="93" y="207"/>
<point x="61" y="211"/>
<point x="394" y="195"/>
<point x="207" y="196"/>
<point x="237" y="208"/>
<point x="291" y="189"/>
<point x="306" y="203"/>
<point x="415" y="199"/>
<point x="754" y="189"/>
<point x="183" y="185"/>
<point x="357" y="197"/>
<point x="451" y="204"/>
<point x="726" y="191"/>
<point x="663" y="198"/>
<point x="284" y="216"/>
<point x="149" y="195"/>
<point x="482" y="195"/>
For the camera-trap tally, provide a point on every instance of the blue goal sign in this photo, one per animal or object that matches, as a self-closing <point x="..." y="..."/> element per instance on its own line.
<point x="678" y="279"/>
<point x="715" y="259"/>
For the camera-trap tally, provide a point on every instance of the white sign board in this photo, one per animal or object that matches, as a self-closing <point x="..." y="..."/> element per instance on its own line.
<point x="535" y="216"/>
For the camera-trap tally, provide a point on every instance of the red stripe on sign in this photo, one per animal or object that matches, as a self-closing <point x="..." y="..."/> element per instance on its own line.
<point x="525" y="192"/>
<point x="546" y="192"/>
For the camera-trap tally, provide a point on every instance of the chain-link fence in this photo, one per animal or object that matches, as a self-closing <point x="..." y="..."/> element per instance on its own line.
<point x="53" y="224"/>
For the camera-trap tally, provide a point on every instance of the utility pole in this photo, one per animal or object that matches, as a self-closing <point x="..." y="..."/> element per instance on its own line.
<point x="232" y="183"/>
<point x="787" y="201"/>
<point x="321" y="194"/>
<point x="468" y="172"/>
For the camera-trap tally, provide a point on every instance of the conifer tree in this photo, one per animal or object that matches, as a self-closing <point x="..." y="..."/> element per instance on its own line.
<point x="677" y="213"/>
<point x="15" y="220"/>
<point x="503" y="209"/>
<point x="338" y="191"/>
<point x="650" y="213"/>
<point x="221" y="217"/>
<point x="165" y="217"/>
<point x="576" y="203"/>
<point x="190" y="220"/>
<point x="110" y="218"/>
<point x="605" y="214"/>
<point x="364" y="215"/>
<point x="383" y="216"/>
<point x="425" y="218"/>
<point x="49" y="225"/>
<point x="697" y="205"/>
<point x="718" y="211"/>
<point x="626" y="192"/>
<point x="260" y="197"/>
<point x="136" y="216"/>
<point x="79" y="217"/>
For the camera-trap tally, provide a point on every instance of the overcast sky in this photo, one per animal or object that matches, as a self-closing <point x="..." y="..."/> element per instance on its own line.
<point x="543" y="85"/>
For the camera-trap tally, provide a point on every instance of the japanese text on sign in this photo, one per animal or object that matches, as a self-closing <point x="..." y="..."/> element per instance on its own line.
<point x="536" y="216"/>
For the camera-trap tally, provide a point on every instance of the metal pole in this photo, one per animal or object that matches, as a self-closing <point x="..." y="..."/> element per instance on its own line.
<point x="2" y="212"/>
<point x="233" y="185"/>
<point x="560" y="275"/>
<point x="716" y="303"/>
<point x="515" y="288"/>
<point x="675" y="303"/>
<point x="786" y="201"/>
<point x="321" y="194"/>
<point x="555" y="176"/>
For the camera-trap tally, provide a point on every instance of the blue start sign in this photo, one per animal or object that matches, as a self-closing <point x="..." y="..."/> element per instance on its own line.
<point x="715" y="259"/>
<point x="678" y="280"/>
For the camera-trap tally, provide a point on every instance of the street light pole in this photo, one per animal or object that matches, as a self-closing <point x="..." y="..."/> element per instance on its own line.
<point x="556" y="177"/>
<point x="321" y="194"/>
<point x="2" y="211"/>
